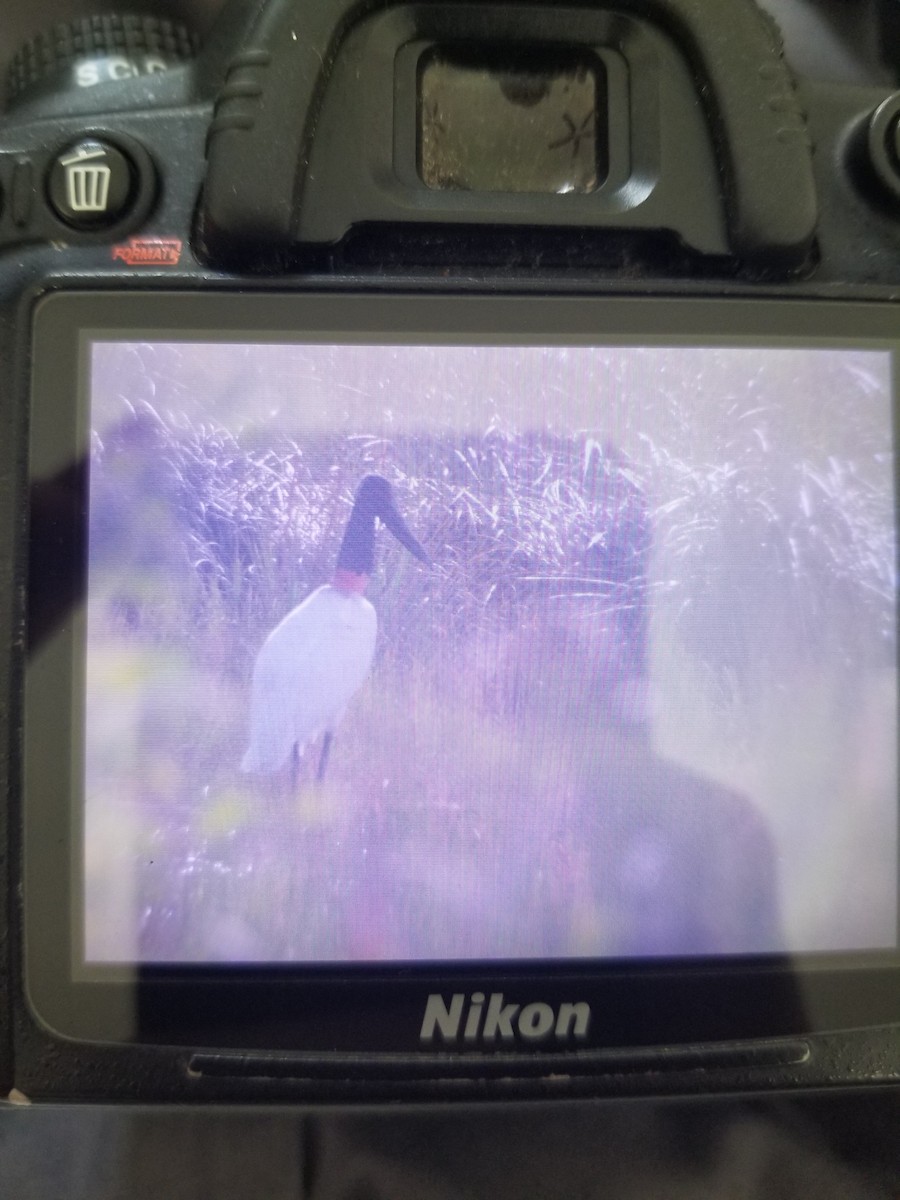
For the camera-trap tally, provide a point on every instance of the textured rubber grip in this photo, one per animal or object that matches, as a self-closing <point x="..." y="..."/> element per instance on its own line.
<point x="265" y="118"/>
<point x="759" y="128"/>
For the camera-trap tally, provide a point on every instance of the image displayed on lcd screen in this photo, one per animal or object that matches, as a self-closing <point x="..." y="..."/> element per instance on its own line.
<point x="407" y="653"/>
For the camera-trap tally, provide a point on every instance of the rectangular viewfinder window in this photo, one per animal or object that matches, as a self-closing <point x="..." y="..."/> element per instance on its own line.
<point x="489" y="650"/>
<point x="512" y="122"/>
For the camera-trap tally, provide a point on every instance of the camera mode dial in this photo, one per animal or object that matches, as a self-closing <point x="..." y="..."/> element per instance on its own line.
<point x="97" y="50"/>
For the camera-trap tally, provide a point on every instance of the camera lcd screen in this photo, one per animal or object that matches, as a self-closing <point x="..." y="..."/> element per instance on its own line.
<point x="420" y="649"/>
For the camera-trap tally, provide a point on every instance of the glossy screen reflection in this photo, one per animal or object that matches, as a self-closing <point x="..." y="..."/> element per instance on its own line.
<point x="520" y="125"/>
<point x="636" y="697"/>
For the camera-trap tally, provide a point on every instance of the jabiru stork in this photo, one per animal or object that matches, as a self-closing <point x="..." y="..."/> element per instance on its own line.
<point x="313" y="663"/>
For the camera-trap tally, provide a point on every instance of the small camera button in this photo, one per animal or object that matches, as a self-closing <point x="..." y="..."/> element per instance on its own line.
<point x="881" y="148"/>
<point x="893" y="142"/>
<point x="91" y="184"/>
<point x="21" y="192"/>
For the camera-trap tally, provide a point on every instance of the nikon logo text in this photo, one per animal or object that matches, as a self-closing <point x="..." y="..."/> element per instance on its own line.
<point x="487" y="1020"/>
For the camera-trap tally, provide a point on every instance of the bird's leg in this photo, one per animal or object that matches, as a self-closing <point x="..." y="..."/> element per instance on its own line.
<point x="323" y="760"/>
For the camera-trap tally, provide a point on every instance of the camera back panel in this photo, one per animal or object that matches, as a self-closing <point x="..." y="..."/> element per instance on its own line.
<point x="552" y="353"/>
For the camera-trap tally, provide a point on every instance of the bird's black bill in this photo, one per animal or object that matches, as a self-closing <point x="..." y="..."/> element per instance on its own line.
<point x="401" y="532"/>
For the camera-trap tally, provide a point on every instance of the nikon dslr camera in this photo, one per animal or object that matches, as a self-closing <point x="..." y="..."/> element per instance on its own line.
<point x="448" y="557"/>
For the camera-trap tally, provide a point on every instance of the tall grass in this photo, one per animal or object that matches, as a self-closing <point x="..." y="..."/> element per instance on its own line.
<point x="757" y="555"/>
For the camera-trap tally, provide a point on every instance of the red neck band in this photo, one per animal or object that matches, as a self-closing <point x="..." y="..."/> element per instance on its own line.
<point x="349" y="581"/>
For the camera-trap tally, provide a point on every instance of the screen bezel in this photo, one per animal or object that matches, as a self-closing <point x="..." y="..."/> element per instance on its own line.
<point x="335" y="1008"/>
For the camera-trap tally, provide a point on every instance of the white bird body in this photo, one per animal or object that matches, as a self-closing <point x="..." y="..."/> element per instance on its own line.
<point x="313" y="662"/>
<point x="309" y="668"/>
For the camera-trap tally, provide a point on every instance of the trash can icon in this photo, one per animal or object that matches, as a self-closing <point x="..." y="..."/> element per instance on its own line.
<point x="87" y="180"/>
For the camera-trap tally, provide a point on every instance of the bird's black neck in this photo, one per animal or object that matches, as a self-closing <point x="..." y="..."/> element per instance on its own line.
<point x="357" y="553"/>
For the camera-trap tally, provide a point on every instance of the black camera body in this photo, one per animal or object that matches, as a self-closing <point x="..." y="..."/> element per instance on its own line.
<point x="703" y="167"/>
<point x="602" y="829"/>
